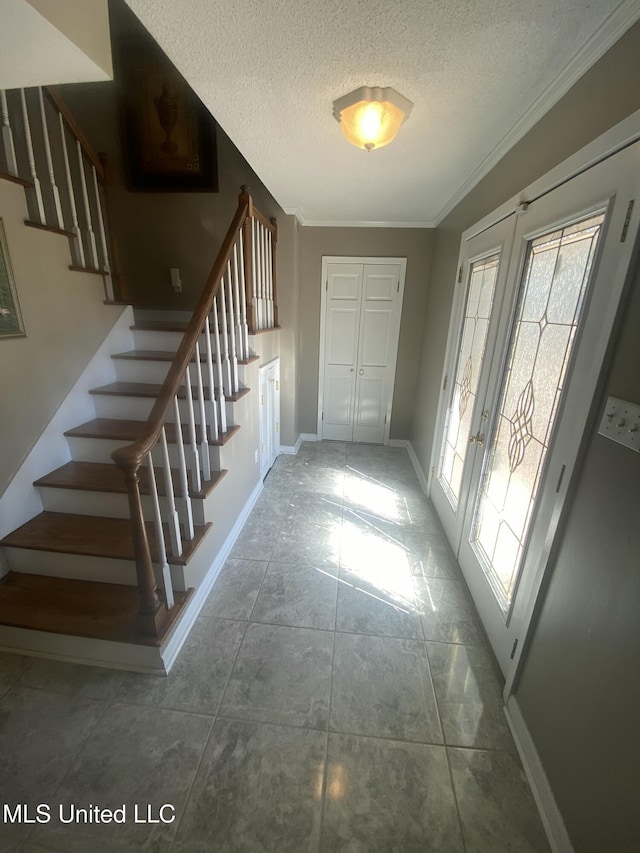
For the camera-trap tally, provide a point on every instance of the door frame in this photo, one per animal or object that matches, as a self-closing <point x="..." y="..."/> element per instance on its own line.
<point x="342" y="259"/>
<point x="269" y="367"/>
<point x="621" y="136"/>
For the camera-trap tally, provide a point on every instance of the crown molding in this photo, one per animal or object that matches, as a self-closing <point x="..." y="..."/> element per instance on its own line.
<point x="591" y="51"/>
<point x="353" y="223"/>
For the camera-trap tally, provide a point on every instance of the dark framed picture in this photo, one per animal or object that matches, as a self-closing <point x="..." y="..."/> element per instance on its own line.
<point x="169" y="136"/>
<point x="11" y="325"/>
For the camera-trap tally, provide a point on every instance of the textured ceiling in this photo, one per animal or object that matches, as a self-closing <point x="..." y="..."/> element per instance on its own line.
<point x="480" y="73"/>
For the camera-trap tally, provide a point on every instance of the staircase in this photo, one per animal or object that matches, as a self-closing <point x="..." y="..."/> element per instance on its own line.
<point x="121" y="557"/>
<point x="73" y="564"/>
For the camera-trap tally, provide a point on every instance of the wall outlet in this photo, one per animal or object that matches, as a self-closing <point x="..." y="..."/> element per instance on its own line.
<point x="621" y="422"/>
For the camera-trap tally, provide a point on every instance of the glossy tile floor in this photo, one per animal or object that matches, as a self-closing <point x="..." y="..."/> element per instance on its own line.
<point x="335" y="695"/>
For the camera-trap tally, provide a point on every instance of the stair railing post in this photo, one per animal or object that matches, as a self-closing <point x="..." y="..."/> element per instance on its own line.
<point x="274" y="277"/>
<point x="35" y="194"/>
<point x="55" y="193"/>
<point x="248" y="253"/>
<point x="7" y="136"/>
<point x="153" y="612"/>
<point x="77" y="249"/>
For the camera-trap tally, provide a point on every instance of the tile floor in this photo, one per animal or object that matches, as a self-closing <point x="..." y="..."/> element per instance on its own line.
<point x="335" y="694"/>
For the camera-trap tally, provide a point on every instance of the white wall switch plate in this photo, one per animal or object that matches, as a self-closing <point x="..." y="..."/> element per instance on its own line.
<point x="621" y="422"/>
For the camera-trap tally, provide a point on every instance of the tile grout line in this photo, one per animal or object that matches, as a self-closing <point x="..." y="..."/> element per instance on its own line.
<point x="446" y="753"/>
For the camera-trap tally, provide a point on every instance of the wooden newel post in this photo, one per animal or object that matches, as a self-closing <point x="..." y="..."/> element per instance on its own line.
<point x="248" y="265"/>
<point x="153" y="612"/>
<point x="274" y="277"/>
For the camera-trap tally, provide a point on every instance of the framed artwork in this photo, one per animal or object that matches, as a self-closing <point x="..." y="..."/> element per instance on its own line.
<point x="169" y="136"/>
<point x="11" y="325"/>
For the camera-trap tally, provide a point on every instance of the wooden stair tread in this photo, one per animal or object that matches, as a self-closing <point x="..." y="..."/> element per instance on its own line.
<point x="91" y="536"/>
<point x="167" y="355"/>
<point x="91" y="270"/>
<point x="128" y="430"/>
<point x="101" y="611"/>
<point x="103" y="477"/>
<point x="149" y="389"/>
<point x="160" y="326"/>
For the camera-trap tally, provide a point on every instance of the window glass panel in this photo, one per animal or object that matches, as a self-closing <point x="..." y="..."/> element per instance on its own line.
<point x="552" y="294"/>
<point x="473" y="339"/>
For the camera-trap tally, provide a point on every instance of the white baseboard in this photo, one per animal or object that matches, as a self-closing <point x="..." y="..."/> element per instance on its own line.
<point x="309" y="436"/>
<point x="403" y="442"/>
<point x="552" y="821"/>
<point x="177" y="639"/>
<point x="291" y="449"/>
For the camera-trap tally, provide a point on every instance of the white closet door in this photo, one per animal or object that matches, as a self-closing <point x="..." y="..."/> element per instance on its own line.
<point x="360" y="328"/>
<point x="342" y="330"/>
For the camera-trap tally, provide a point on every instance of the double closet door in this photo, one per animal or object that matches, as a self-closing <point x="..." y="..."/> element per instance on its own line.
<point x="360" y="325"/>
<point x="538" y="295"/>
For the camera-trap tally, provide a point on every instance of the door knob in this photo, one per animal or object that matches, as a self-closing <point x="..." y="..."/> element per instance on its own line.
<point x="351" y="369"/>
<point x="361" y="371"/>
<point x="476" y="439"/>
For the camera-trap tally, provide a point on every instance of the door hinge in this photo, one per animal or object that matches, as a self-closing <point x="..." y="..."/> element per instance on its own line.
<point x="433" y="471"/>
<point x="513" y="650"/>
<point x="277" y="384"/>
<point x="398" y="287"/>
<point x="326" y="284"/>
<point x="460" y="275"/>
<point x="444" y="384"/>
<point x="322" y="418"/>
<point x="385" y="419"/>
<point x="627" y="220"/>
<point x="277" y="427"/>
<point x="262" y="399"/>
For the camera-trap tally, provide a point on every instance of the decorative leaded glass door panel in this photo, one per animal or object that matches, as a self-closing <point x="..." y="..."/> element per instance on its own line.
<point x="566" y="274"/>
<point x="483" y="265"/>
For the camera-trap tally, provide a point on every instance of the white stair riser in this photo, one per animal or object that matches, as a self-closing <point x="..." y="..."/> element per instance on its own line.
<point x="100" y="450"/>
<point x="112" y="505"/>
<point x="134" y="370"/>
<point x="139" y="408"/>
<point x="79" y="567"/>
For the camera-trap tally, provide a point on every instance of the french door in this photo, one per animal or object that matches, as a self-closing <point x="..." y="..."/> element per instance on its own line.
<point x="361" y="307"/>
<point x="506" y="470"/>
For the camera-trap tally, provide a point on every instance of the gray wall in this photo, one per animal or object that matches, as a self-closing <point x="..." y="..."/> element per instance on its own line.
<point x="579" y="690"/>
<point x="415" y="244"/>
<point x="606" y="94"/>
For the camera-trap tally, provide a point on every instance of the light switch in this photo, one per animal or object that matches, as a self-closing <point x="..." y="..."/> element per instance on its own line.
<point x="621" y="422"/>
<point x="176" y="282"/>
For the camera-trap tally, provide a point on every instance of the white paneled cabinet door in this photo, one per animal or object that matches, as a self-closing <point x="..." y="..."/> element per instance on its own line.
<point x="361" y="323"/>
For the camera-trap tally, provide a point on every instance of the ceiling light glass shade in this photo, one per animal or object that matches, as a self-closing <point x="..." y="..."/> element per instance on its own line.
<point x="371" y="117"/>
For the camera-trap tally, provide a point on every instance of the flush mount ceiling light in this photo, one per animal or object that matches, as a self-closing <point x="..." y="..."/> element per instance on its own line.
<point x="370" y="117"/>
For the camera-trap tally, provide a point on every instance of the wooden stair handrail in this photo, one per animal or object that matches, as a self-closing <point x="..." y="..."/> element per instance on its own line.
<point x="131" y="456"/>
<point x="53" y="93"/>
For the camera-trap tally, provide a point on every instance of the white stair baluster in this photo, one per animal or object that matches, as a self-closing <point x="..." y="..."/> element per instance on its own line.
<point x="233" y="355"/>
<point x="7" y="136"/>
<point x="35" y="194"/>
<point x="202" y="414"/>
<point x="57" y="207"/>
<point x="255" y="270"/>
<point x="226" y="363"/>
<point x="213" y="420"/>
<point x="243" y="299"/>
<point x="93" y="250"/>
<point x="162" y="553"/>
<point x="236" y="303"/>
<point x="216" y="341"/>
<point x="269" y="280"/>
<point x="184" y="480"/>
<point x="106" y="266"/>
<point x="174" y="521"/>
<point x="193" y="443"/>
<point x="76" y="243"/>
<point x="263" y="243"/>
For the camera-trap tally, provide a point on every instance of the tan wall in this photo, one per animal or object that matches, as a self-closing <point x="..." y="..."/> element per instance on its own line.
<point x="85" y="23"/>
<point x="415" y="244"/>
<point x="606" y="94"/>
<point x="65" y="320"/>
